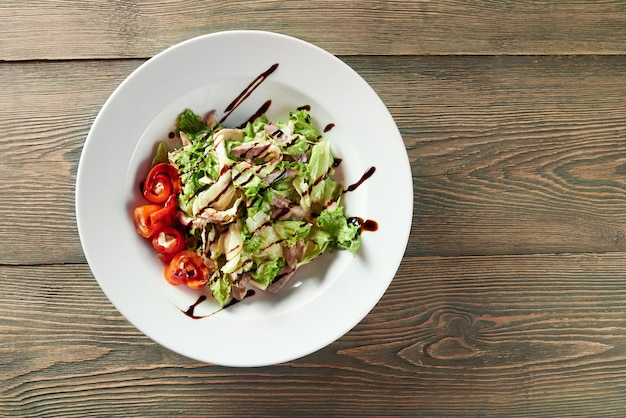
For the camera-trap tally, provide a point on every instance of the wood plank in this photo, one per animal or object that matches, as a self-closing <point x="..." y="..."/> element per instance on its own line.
<point x="47" y="112"/>
<point x="494" y="335"/>
<point x="518" y="155"/>
<point x="39" y="29"/>
<point x="510" y="155"/>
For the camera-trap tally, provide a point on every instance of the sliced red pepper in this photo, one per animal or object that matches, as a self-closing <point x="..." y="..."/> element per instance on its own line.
<point x="161" y="182"/>
<point x="151" y="218"/>
<point x="143" y="219"/>
<point x="188" y="268"/>
<point x="168" y="241"/>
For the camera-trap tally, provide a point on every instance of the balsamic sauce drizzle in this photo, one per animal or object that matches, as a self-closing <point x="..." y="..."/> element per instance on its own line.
<point x="329" y="127"/>
<point x="247" y="92"/>
<point x="363" y="224"/>
<point x="190" y="311"/>
<point x="258" y="113"/>
<point x="364" y="177"/>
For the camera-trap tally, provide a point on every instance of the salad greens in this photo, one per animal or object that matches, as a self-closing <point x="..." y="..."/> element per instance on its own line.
<point x="258" y="202"/>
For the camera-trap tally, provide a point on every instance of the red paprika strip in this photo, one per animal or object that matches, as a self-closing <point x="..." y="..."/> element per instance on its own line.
<point x="168" y="241"/>
<point x="188" y="268"/>
<point x="161" y="182"/>
<point x="149" y="219"/>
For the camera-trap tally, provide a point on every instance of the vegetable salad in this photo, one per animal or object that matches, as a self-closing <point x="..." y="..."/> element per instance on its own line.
<point x="232" y="208"/>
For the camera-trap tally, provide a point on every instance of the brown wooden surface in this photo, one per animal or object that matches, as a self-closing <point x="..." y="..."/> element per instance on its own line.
<point x="511" y="297"/>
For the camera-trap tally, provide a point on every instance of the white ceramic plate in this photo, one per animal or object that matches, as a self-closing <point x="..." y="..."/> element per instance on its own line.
<point x="326" y="298"/>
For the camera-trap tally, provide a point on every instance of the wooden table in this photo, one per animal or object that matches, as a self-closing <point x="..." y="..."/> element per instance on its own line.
<point x="511" y="297"/>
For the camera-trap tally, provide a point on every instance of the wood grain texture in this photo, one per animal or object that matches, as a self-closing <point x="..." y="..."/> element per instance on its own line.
<point x="452" y="335"/>
<point x="519" y="155"/>
<point x="41" y="29"/>
<point x="47" y="110"/>
<point x="510" y="155"/>
<point x="511" y="297"/>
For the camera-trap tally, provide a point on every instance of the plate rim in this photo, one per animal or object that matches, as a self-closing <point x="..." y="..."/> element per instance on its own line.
<point x="80" y="178"/>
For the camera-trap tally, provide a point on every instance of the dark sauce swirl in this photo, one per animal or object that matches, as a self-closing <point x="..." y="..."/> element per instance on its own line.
<point x="247" y="92"/>
<point x="190" y="311"/>
<point x="364" y="177"/>
<point x="363" y="224"/>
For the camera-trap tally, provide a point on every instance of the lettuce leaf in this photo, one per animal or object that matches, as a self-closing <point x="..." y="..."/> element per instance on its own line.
<point x="349" y="238"/>
<point x="318" y="242"/>
<point x="303" y="124"/>
<point x="220" y="289"/>
<point x="267" y="271"/>
<point x="344" y="235"/>
<point x="300" y="146"/>
<point x="161" y="154"/>
<point x="253" y="128"/>
<point x="320" y="162"/>
<point x="291" y="231"/>
<point x="190" y="123"/>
